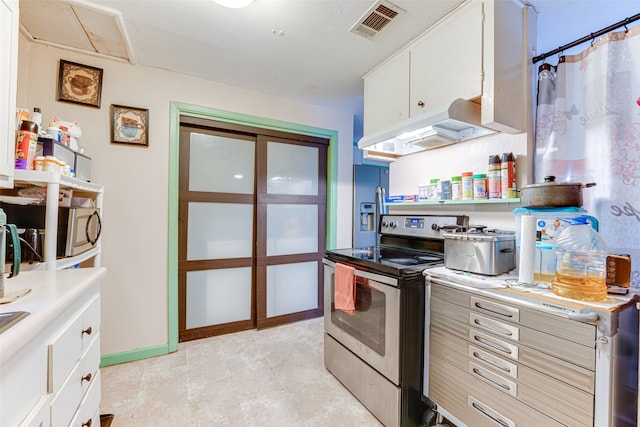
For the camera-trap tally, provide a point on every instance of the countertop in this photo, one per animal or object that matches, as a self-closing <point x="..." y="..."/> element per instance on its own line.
<point x="51" y="293"/>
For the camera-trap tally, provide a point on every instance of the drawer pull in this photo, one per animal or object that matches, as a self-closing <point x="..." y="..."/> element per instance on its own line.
<point x="86" y="377"/>
<point x="88" y="423"/>
<point x="491" y="362"/>
<point x="87" y="331"/>
<point x="493" y="327"/>
<point x="492" y="344"/>
<point x="492" y="417"/>
<point x="479" y="373"/>
<point x="493" y="310"/>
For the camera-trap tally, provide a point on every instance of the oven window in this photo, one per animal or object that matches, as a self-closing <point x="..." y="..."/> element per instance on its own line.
<point x="367" y="325"/>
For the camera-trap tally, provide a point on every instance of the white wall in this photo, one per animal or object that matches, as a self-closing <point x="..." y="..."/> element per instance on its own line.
<point x="134" y="294"/>
<point x="558" y="23"/>
<point x="443" y="163"/>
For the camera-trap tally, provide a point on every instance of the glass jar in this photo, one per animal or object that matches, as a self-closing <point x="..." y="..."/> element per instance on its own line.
<point x="467" y="185"/>
<point x="581" y="261"/>
<point x="456" y="188"/>
<point x="480" y="186"/>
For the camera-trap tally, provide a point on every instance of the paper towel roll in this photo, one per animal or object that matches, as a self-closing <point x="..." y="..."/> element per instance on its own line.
<point x="526" y="263"/>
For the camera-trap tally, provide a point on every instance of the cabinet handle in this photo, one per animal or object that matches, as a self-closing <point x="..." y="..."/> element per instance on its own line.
<point x="421" y="104"/>
<point x="478" y="356"/>
<point x="87" y="331"/>
<point x="492" y="344"/>
<point x="479" y="373"/>
<point x="507" y="312"/>
<point x="86" y="377"/>
<point x="493" y="326"/>
<point x="492" y="417"/>
<point x="88" y="423"/>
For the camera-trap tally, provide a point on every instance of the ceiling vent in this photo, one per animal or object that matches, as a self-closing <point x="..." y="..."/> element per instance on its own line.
<point x="379" y="15"/>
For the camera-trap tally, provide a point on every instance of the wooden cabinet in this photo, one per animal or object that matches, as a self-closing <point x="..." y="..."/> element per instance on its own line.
<point x="49" y="372"/>
<point x="446" y="63"/>
<point x="386" y="94"/>
<point x="496" y="357"/>
<point x="510" y="363"/>
<point x="477" y="53"/>
<point x="8" y="82"/>
<point x="54" y="182"/>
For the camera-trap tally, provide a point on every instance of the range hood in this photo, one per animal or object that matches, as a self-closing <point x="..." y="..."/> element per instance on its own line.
<point x="458" y="122"/>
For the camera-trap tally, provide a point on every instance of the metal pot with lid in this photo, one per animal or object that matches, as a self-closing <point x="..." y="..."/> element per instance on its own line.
<point x="550" y="193"/>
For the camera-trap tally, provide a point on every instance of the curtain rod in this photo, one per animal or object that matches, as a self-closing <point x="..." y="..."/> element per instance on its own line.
<point x="591" y="37"/>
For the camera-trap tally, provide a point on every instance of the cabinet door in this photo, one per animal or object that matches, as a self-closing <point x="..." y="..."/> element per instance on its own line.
<point x="8" y="83"/>
<point x="386" y="94"/>
<point x="447" y="62"/>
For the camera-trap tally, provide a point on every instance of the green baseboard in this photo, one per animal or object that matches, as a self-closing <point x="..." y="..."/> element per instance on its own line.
<point x="133" y="355"/>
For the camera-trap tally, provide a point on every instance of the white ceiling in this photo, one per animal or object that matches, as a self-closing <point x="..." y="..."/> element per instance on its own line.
<point x="300" y="49"/>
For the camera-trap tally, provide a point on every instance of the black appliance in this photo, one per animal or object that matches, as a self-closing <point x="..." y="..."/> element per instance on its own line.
<point x="377" y="352"/>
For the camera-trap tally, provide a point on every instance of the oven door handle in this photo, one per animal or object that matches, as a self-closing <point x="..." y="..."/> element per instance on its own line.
<point x="366" y="275"/>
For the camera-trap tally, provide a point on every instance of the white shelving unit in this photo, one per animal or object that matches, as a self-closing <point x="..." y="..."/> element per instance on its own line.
<point x="54" y="182"/>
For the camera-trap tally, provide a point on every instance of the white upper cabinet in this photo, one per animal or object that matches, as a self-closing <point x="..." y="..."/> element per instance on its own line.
<point x="8" y="83"/>
<point x="386" y="94"/>
<point x="479" y="53"/>
<point x="446" y="63"/>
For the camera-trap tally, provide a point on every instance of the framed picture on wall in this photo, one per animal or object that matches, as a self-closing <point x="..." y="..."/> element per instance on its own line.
<point x="129" y="125"/>
<point x="79" y="84"/>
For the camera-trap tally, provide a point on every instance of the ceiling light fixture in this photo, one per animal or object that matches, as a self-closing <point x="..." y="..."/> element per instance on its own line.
<point x="234" y="4"/>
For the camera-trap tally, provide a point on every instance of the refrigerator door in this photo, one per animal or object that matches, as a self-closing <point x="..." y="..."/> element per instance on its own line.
<point x="366" y="212"/>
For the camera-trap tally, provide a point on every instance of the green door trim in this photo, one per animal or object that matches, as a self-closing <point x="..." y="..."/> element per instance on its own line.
<point x="180" y="109"/>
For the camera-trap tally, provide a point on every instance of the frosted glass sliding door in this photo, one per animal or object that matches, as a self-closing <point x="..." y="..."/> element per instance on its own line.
<point x="292" y="169"/>
<point x="221" y="164"/>
<point x="220" y="230"/>
<point x="218" y="296"/>
<point x="292" y="288"/>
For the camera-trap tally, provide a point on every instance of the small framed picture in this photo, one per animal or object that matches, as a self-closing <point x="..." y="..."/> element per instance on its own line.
<point x="129" y="125"/>
<point x="79" y="84"/>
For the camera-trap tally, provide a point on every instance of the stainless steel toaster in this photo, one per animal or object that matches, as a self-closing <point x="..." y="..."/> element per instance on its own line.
<point x="479" y="250"/>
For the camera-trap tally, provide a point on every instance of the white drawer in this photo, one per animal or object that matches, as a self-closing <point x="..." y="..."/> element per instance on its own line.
<point x="65" y="349"/>
<point x="82" y="377"/>
<point x="40" y="415"/>
<point x="88" y="415"/>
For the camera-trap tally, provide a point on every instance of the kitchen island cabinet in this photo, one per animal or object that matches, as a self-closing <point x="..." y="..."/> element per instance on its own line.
<point x="9" y="14"/>
<point x="529" y="359"/>
<point x="49" y="360"/>
<point x="479" y="52"/>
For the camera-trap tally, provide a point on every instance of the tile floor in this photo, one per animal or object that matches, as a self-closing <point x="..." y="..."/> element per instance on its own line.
<point x="274" y="377"/>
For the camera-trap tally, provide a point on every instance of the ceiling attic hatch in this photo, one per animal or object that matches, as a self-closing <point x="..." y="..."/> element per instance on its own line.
<point x="379" y="15"/>
<point x="78" y="26"/>
<point x="458" y="122"/>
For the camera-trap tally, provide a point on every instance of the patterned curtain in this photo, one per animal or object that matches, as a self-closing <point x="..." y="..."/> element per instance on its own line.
<point x="588" y="130"/>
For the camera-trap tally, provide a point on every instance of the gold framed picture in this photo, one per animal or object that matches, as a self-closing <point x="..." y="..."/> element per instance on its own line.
<point x="129" y="125"/>
<point x="79" y="84"/>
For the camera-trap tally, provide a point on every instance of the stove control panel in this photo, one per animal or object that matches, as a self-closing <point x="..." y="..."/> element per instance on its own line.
<point x="423" y="226"/>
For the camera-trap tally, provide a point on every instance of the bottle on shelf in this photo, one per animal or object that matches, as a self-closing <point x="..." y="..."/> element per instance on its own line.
<point x="494" y="177"/>
<point x="36" y="117"/>
<point x="467" y="185"/>
<point x="508" y="176"/>
<point x="480" y="186"/>
<point x="456" y="187"/>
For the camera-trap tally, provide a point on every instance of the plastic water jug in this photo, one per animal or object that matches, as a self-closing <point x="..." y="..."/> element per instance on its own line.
<point x="581" y="269"/>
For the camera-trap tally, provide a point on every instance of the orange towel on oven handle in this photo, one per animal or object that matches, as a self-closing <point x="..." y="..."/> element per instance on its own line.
<point x="345" y="289"/>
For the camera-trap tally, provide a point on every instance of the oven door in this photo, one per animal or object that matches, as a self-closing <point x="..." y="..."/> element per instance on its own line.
<point x="373" y="332"/>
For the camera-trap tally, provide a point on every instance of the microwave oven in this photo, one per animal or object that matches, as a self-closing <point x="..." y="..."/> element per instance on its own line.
<point x="78" y="228"/>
